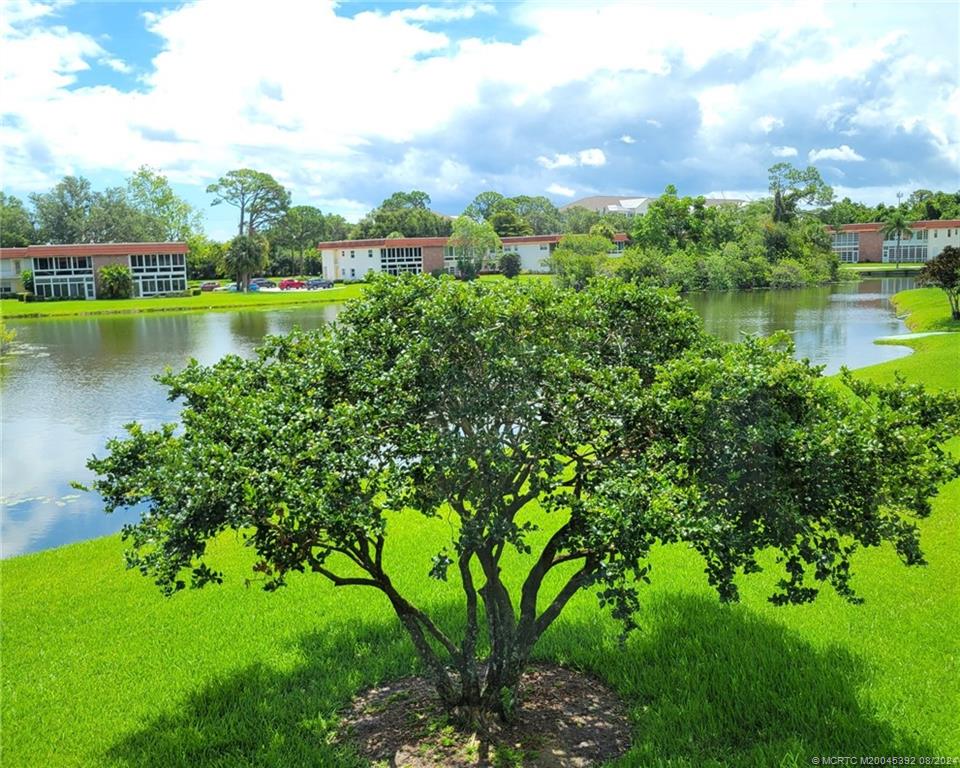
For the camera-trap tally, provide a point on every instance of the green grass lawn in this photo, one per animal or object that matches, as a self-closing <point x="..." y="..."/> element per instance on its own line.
<point x="877" y="266"/>
<point x="927" y="309"/>
<point x="213" y="300"/>
<point x="100" y="669"/>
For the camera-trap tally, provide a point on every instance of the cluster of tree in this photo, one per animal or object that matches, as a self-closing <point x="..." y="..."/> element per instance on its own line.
<point x="525" y="215"/>
<point x="776" y="242"/>
<point x="608" y="415"/>
<point x="920" y="205"/>
<point x="403" y="214"/>
<point x="144" y="209"/>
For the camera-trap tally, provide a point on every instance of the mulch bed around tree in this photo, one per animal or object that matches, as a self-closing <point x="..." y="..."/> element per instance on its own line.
<point x="567" y="720"/>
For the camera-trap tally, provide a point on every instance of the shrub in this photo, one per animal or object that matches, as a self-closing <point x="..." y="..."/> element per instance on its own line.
<point x="26" y="277"/>
<point x="510" y="264"/>
<point x="788" y="273"/>
<point x="116" y="282"/>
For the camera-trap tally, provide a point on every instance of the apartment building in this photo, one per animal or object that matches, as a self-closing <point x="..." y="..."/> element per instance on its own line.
<point x="855" y="243"/>
<point x="355" y="259"/>
<point x="72" y="271"/>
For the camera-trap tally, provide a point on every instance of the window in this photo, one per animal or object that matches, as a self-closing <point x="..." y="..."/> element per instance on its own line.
<point x="351" y="256"/>
<point x="370" y="253"/>
<point x="353" y="272"/>
<point x="16" y="267"/>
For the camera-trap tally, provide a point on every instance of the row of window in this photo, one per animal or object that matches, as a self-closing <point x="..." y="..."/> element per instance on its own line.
<point x="64" y="288"/>
<point x="845" y="238"/>
<point x="157" y="262"/>
<point x="908" y="253"/>
<point x="62" y="265"/>
<point x="150" y="286"/>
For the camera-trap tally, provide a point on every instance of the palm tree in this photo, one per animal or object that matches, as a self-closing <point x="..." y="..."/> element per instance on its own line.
<point x="897" y="224"/>
<point x="245" y="256"/>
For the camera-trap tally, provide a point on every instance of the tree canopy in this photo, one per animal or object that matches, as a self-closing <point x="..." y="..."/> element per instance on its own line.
<point x="577" y="429"/>
<point x="475" y="244"/>
<point x="260" y="198"/>
<point x="245" y="256"/>
<point x="16" y="227"/>
<point x="943" y="271"/>
<point x="791" y="187"/>
<point x="405" y="212"/>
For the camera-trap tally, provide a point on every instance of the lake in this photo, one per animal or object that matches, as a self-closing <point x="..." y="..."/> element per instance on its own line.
<point x="72" y="384"/>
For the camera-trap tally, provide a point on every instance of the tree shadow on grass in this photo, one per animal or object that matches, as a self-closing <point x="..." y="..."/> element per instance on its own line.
<point x="706" y="684"/>
<point x="711" y="684"/>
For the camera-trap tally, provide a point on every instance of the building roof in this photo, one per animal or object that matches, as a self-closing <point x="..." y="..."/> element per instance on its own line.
<point x="414" y="242"/>
<point x="91" y="249"/>
<point x="602" y="202"/>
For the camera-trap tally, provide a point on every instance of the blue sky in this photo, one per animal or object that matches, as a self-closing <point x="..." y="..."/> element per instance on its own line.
<point x="345" y="103"/>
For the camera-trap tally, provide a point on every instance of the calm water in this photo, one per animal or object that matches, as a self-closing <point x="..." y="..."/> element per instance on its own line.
<point x="74" y="383"/>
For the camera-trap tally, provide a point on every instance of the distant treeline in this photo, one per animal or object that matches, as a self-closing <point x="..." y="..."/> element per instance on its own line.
<point x="680" y="240"/>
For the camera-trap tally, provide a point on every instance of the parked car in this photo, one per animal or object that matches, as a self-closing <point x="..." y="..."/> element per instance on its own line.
<point x="290" y="284"/>
<point x="229" y="288"/>
<point x="210" y="285"/>
<point x="318" y="282"/>
<point x="263" y="282"/>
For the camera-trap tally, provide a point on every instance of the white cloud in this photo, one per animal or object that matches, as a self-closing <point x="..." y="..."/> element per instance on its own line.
<point x="117" y="65"/>
<point x="427" y="13"/>
<point x="594" y="157"/>
<point x="221" y="109"/>
<point x="718" y="104"/>
<point x="558" y="189"/>
<point x="768" y="123"/>
<point x="590" y="157"/>
<point x="557" y="161"/>
<point x="843" y="152"/>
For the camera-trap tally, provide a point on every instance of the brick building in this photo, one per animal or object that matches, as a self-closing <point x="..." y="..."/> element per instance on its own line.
<point x="72" y="271"/>
<point x="865" y="242"/>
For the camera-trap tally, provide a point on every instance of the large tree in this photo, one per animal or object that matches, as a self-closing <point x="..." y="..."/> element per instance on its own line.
<point x="475" y="245"/>
<point x="63" y="214"/>
<point x="170" y="217"/>
<point x="299" y="231"/>
<point x="16" y="228"/>
<point x="791" y="187"/>
<point x="113" y="218"/>
<point x="943" y="271"/>
<point x="484" y="206"/>
<point x="259" y="197"/>
<point x="564" y="433"/>
<point x="404" y="212"/>
<point x="542" y="215"/>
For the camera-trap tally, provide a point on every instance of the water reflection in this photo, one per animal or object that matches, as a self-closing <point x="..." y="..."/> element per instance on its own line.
<point x="831" y="325"/>
<point x="78" y="381"/>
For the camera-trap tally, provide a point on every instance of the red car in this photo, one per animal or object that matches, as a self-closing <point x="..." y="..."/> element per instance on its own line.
<point x="290" y="283"/>
<point x="211" y="285"/>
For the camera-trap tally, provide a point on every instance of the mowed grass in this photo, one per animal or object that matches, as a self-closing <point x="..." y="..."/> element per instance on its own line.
<point x="212" y="300"/>
<point x="927" y="309"/>
<point x="98" y="669"/>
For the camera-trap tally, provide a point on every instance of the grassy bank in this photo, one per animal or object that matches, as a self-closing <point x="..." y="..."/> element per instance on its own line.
<point x="12" y="310"/>
<point x="927" y="309"/>
<point x="99" y="669"/>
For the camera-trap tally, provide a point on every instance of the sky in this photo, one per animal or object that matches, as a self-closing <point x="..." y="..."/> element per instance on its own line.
<point x="345" y="103"/>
